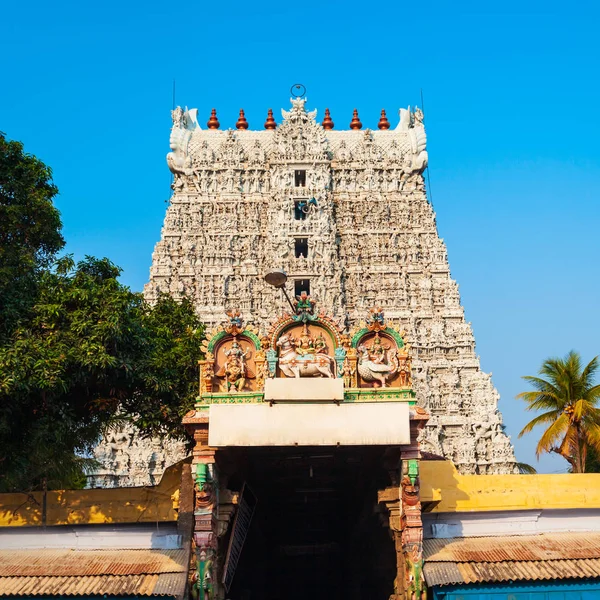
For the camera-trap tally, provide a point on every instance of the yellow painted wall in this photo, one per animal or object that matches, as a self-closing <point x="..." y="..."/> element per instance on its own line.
<point x="442" y="488"/>
<point x="79" y="507"/>
<point x="505" y="492"/>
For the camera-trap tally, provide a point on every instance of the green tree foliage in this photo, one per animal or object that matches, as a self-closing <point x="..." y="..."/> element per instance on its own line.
<point x="167" y="367"/>
<point x="79" y="351"/>
<point x="92" y="355"/>
<point x="29" y="229"/>
<point x="569" y="398"/>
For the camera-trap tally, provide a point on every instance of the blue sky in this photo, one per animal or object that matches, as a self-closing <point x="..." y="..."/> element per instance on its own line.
<point x="511" y="108"/>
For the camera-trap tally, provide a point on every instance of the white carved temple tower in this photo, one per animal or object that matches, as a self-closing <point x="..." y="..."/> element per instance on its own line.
<point x="345" y="214"/>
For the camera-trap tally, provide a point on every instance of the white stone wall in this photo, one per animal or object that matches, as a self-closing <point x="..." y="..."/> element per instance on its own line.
<point x="372" y="240"/>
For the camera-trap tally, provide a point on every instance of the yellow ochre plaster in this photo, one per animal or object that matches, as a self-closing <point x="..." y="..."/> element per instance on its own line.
<point x="80" y="507"/>
<point x="445" y="490"/>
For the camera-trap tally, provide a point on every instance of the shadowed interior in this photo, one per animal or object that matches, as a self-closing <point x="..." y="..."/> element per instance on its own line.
<point x="318" y="531"/>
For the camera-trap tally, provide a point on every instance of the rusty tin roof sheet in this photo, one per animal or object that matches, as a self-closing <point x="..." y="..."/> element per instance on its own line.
<point x="97" y="572"/>
<point x="533" y="557"/>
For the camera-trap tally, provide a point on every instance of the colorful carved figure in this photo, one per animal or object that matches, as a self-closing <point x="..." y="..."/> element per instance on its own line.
<point x="321" y="344"/>
<point x="305" y="344"/>
<point x="404" y="370"/>
<point x="300" y="358"/>
<point x="377" y="362"/>
<point x="235" y="318"/>
<point x="412" y="534"/>
<point x="262" y="373"/>
<point x="347" y="373"/>
<point x="235" y="371"/>
<point x="207" y="373"/>
<point x="376" y="315"/>
<point x="305" y="307"/>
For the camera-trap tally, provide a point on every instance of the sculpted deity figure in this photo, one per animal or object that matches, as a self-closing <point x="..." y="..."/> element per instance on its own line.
<point x="305" y="344"/>
<point x="376" y="316"/>
<point x="377" y="362"/>
<point x="235" y="318"/>
<point x="347" y="372"/>
<point x="405" y="370"/>
<point x="304" y="306"/>
<point x="321" y="344"/>
<point x="235" y="371"/>
<point x="305" y="356"/>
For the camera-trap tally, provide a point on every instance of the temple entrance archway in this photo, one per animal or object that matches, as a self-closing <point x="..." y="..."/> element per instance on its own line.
<point x="322" y="426"/>
<point x="318" y="531"/>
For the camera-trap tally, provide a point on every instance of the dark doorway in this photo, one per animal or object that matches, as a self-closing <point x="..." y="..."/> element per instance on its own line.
<point x="301" y="285"/>
<point x="301" y="247"/>
<point x="300" y="209"/>
<point x="318" y="531"/>
<point x="300" y="178"/>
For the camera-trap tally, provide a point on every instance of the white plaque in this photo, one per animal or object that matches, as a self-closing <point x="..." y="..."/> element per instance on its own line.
<point x="377" y="423"/>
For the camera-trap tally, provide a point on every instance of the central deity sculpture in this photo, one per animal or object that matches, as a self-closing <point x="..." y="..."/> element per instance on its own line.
<point x="304" y="356"/>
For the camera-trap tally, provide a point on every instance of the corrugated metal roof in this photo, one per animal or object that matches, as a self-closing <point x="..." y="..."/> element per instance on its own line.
<point x="546" y="546"/>
<point x="447" y="573"/>
<point x="69" y="562"/>
<point x="168" y="584"/>
<point x="98" y="572"/>
<point x="572" y="555"/>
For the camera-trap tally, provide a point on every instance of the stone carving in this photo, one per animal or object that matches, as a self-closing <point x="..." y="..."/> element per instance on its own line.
<point x="305" y="356"/>
<point x="127" y="460"/>
<point x="377" y="361"/>
<point x="184" y="123"/>
<point x="372" y="241"/>
<point x="235" y="370"/>
<point x="305" y="307"/>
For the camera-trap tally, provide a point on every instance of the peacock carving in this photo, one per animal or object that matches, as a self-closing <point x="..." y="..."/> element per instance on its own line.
<point x="377" y="362"/>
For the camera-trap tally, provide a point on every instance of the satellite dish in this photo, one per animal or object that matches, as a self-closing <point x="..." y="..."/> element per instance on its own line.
<point x="276" y="278"/>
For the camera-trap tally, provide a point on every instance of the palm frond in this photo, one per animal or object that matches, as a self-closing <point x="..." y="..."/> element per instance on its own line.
<point x="542" y="419"/>
<point x="593" y="393"/>
<point x="569" y="446"/>
<point x="549" y="438"/>
<point x="590" y="370"/>
<point x="592" y="435"/>
<point x="525" y="469"/>
<point x="542" y="385"/>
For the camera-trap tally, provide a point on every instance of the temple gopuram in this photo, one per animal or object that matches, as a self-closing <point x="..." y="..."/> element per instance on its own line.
<point x="345" y="214"/>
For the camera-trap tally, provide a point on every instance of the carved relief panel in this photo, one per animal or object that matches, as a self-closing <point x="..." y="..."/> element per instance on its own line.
<point x="381" y="357"/>
<point x="305" y="350"/>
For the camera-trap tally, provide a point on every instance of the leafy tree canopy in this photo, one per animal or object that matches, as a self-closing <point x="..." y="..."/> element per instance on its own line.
<point x="567" y="394"/>
<point x="79" y="351"/>
<point x="30" y="232"/>
<point x="92" y="355"/>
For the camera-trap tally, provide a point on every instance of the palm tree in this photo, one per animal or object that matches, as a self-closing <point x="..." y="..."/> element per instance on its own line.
<point x="567" y="394"/>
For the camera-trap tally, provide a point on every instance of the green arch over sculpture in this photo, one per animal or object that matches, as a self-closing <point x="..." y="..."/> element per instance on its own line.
<point x="222" y="334"/>
<point x="391" y="332"/>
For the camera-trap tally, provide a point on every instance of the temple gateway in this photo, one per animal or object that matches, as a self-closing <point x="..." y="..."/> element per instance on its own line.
<point x="345" y="214"/>
<point x="337" y="355"/>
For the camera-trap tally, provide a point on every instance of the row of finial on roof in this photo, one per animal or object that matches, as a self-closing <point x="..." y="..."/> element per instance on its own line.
<point x="327" y="123"/>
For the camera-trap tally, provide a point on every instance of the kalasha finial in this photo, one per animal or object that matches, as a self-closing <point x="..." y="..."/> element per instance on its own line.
<point x="270" y="122"/>
<point x="327" y="122"/>
<point x="241" y="122"/>
<point x="213" y="122"/>
<point x="383" y="121"/>
<point x="355" y="123"/>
